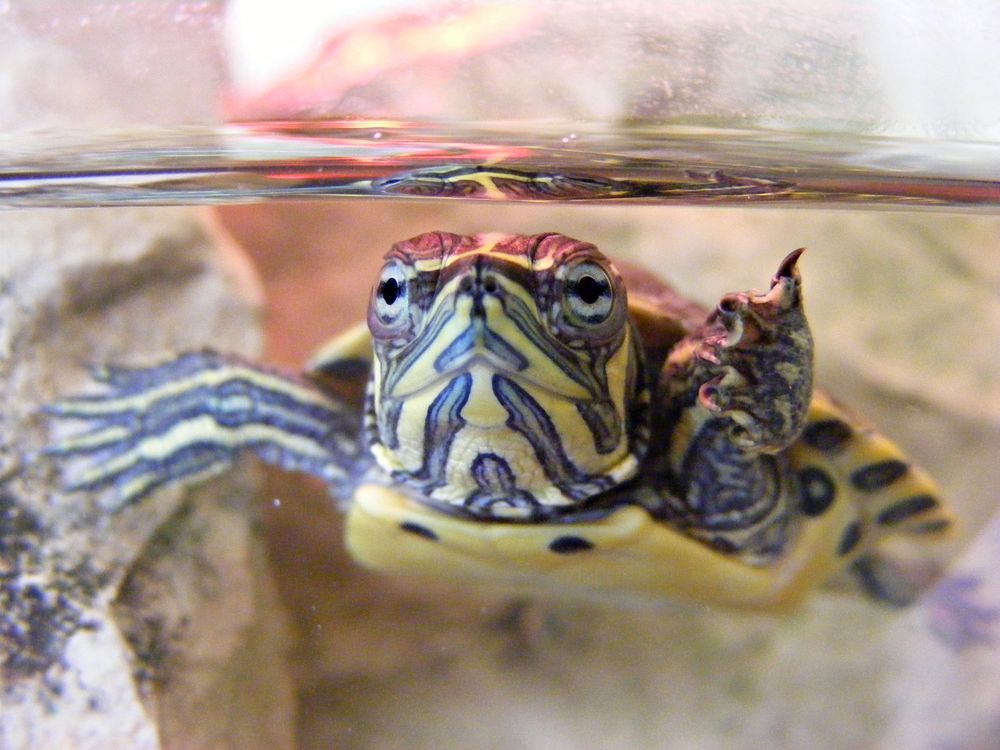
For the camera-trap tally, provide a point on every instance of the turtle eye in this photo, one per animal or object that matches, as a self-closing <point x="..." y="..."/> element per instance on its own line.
<point x="588" y="295"/>
<point x="391" y="298"/>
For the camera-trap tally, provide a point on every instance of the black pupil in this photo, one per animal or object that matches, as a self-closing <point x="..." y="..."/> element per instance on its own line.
<point x="389" y="291"/>
<point x="590" y="289"/>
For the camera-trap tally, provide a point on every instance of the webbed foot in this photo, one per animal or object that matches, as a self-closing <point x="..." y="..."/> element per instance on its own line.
<point x="757" y="349"/>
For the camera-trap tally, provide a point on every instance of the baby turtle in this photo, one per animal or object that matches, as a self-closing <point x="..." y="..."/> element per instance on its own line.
<point x="528" y="419"/>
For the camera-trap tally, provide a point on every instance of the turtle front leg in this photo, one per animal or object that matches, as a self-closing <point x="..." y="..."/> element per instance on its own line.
<point x="750" y="365"/>
<point x="733" y="395"/>
<point x="190" y="418"/>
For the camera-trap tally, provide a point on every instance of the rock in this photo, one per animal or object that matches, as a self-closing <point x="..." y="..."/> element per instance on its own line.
<point x="138" y="629"/>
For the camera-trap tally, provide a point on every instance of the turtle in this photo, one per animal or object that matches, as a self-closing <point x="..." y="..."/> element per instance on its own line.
<point x="490" y="182"/>
<point x="529" y="413"/>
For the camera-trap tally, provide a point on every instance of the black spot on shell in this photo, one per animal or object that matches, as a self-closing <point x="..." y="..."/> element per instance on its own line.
<point x="416" y="528"/>
<point x="850" y="538"/>
<point x="827" y="435"/>
<point x="817" y="491"/>
<point x="878" y="475"/>
<point x="904" y="509"/>
<point x="567" y="545"/>
<point x="930" y="527"/>
<point x="884" y="581"/>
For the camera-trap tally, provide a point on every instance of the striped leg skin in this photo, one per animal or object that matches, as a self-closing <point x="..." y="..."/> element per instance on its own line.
<point x="189" y="419"/>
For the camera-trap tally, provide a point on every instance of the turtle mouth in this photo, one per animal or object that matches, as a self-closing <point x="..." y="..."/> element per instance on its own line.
<point x="480" y="344"/>
<point x="482" y="351"/>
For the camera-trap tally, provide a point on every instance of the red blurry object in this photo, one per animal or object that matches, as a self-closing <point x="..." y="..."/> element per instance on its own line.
<point x="438" y="39"/>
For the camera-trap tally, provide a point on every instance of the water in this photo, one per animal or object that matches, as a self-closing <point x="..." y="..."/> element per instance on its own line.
<point x="648" y="164"/>
<point x="905" y="312"/>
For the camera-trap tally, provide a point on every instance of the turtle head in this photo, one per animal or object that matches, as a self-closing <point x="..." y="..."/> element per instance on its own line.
<point x="507" y="377"/>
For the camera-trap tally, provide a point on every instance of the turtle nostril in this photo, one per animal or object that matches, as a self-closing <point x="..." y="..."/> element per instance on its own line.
<point x="465" y="285"/>
<point x="490" y="285"/>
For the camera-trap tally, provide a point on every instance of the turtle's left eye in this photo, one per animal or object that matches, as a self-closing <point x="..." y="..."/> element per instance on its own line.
<point x="588" y="295"/>
<point x="391" y="295"/>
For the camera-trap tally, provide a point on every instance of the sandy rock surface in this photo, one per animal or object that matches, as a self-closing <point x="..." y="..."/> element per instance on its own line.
<point x="138" y="629"/>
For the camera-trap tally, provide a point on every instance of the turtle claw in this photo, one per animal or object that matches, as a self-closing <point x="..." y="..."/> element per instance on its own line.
<point x="753" y="316"/>
<point x="786" y="283"/>
<point x="708" y="395"/>
<point x="708" y="350"/>
<point x="722" y="397"/>
<point x="750" y="315"/>
<point x="717" y="394"/>
<point x="788" y="268"/>
<point x="731" y="312"/>
<point x="756" y="355"/>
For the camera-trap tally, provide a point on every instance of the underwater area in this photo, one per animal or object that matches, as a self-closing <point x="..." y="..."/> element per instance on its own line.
<point x="184" y="175"/>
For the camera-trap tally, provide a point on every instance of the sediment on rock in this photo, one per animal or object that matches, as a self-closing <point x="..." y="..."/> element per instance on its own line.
<point x="141" y="628"/>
